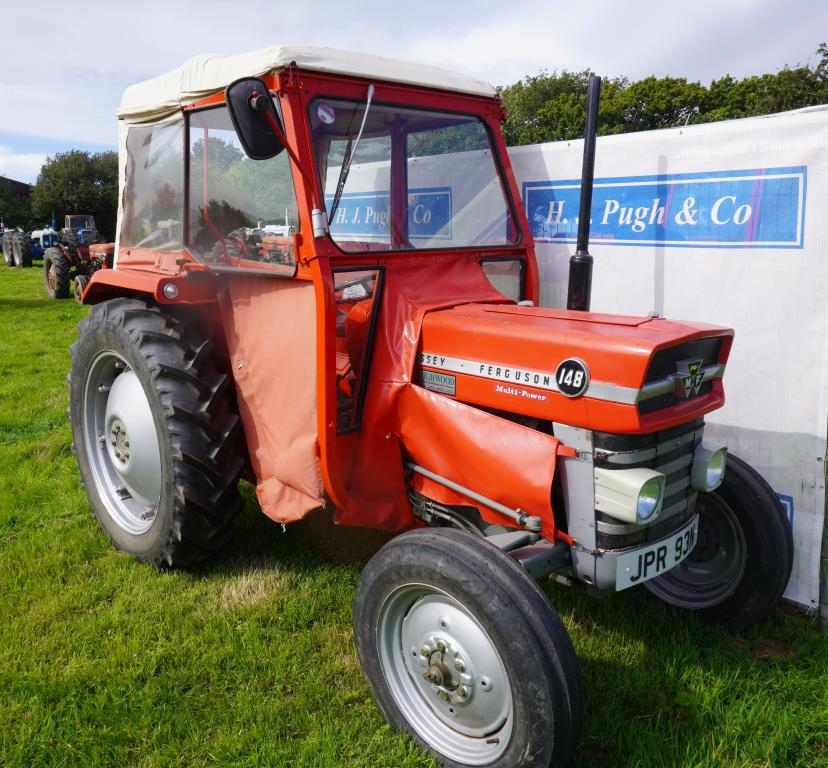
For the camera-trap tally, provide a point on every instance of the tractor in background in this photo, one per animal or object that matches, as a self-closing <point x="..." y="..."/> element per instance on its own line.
<point x="40" y="240"/>
<point x="74" y="257"/>
<point x="17" y="250"/>
<point x="21" y="248"/>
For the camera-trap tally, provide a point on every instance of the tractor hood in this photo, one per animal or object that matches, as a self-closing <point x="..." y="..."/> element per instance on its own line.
<point x="603" y="372"/>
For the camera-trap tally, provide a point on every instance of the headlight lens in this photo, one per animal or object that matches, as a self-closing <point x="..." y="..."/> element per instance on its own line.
<point x="709" y="467"/>
<point x="649" y="499"/>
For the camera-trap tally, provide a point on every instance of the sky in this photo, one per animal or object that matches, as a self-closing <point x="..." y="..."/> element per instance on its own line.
<point x="62" y="70"/>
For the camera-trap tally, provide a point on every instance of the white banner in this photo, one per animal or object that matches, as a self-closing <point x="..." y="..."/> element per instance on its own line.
<point x="722" y="223"/>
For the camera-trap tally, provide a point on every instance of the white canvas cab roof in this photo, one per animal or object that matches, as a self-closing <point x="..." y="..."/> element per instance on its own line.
<point x="202" y="76"/>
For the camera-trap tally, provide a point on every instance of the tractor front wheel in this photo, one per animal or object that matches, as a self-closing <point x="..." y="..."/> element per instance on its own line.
<point x="57" y="278"/>
<point x="742" y="560"/>
<point x="79" y="286"/>
<point x="462" y="650"/>
<point x="156" y="434"/>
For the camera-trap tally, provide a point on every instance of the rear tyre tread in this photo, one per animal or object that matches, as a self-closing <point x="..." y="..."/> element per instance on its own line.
<point x="205" y="444"/>
<point x="8" y="248"/>
<point x="57" y="277"/>
<point x="22" y="250"/>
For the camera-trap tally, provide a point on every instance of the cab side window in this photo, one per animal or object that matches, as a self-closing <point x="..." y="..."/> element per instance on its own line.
<point x="154" y="191"/>
<point x="241" y="212"/>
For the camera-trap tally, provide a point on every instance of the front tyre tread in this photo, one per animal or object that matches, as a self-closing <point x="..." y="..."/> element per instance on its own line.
<point x="469" y="577"/>
<point x="763" y="540"/>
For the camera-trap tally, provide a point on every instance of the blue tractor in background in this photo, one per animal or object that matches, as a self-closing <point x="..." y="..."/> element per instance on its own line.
<point x="40" y="240"/>
<point x="19" y="247"/>
<point x="78" y="229"/>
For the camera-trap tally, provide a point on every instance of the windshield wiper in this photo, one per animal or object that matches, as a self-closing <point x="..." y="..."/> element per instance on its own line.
<point x="350" y="153"/>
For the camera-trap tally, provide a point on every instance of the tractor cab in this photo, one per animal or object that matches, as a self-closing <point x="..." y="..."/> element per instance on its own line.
<point x="367" y="185"/>
<point x="81" y="227"/>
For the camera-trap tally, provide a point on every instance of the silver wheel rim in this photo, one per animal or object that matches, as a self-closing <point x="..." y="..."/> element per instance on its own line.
<point x="122" y="443"/>
<point x="714" y="569"/>
<point x="445" y="674"/>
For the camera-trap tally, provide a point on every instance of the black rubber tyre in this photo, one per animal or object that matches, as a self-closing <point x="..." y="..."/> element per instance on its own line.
<point x="462" y="650"/>
<point x="79" y="286"/>
<point x="68" y="238"/>
<point x="8" y="249"/>
<point x="57" y="278"/>
<point x="22" y="249"/>
<point x="156" y="433"/>
<point x="742" y="561"/>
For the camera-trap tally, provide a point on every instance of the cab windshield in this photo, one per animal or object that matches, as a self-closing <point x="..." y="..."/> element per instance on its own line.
<point x="412" y="179"/>
<point x="81" y="222"/>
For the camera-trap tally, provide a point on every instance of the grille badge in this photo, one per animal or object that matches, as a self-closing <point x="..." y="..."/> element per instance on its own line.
<point x="688" y="378"/>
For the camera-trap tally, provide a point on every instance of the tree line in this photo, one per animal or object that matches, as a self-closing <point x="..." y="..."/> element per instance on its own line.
<point x="552" y="106"/>
<point x="543" y="107"/>
<point x="70" y="182"/>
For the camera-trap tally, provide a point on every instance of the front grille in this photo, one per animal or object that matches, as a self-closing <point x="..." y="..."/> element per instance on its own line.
<point x="669" y="452"/>
<point x="666" y="362"/>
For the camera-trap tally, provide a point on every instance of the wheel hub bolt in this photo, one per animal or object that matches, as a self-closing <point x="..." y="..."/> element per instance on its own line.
<point x="120" y="442"/>
<point x="425" y="651"/>
<point x="459" y="666"/>
<point x="445" y="696"/>
<point x="462" y="691"/>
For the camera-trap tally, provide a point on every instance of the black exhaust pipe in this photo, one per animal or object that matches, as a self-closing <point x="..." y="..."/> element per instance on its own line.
<point x="580" y="264"/>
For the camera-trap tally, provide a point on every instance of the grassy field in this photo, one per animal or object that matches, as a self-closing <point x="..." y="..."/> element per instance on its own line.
<point x="250" y="661"/>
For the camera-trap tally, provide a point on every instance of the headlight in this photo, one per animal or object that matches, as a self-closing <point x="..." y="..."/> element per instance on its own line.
<point x="630" y="495"/>
<point x="709" y="467"/>
<point x="649" y="497"/>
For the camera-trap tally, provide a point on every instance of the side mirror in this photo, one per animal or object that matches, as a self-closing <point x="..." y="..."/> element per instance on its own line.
<point x="254" y="117"/>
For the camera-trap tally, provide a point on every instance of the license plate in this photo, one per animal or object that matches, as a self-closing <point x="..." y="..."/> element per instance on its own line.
<point x="644" y="564"/>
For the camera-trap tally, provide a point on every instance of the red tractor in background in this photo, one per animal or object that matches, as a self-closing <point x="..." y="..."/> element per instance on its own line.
<point x="325" y="283"/>
<point x="77" y="255"/>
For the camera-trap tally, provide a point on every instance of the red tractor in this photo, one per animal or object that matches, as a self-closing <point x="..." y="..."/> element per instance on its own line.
<point x="325" y="282"/>
<point x="74" y="258"/>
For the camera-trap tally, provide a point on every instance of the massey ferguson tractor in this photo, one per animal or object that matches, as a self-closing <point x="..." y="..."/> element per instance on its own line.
<point x="325" y="283"/>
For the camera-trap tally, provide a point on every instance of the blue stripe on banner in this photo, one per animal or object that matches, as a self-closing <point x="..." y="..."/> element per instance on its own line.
<point x="788" y="504"/>
<point x="365" y="214"/>
<point x="762" y="208"/>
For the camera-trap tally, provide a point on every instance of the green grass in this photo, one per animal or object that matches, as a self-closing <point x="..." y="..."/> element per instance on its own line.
<point x="249" y="661"/>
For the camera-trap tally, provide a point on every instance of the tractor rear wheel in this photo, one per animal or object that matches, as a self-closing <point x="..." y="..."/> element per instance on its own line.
<point x="22" y="249"/>
<point x="156" y="434"/>
<point x="56" y="274"/>
<point x="8" y="249"/>
<point x="742" y="560"/>
<point x="462" y="650"/>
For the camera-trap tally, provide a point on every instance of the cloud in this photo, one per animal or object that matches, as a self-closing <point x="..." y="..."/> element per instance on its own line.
<point x="633" y="39"/>
<point x="20" y="167"/>
<point x="71" y="92"/>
